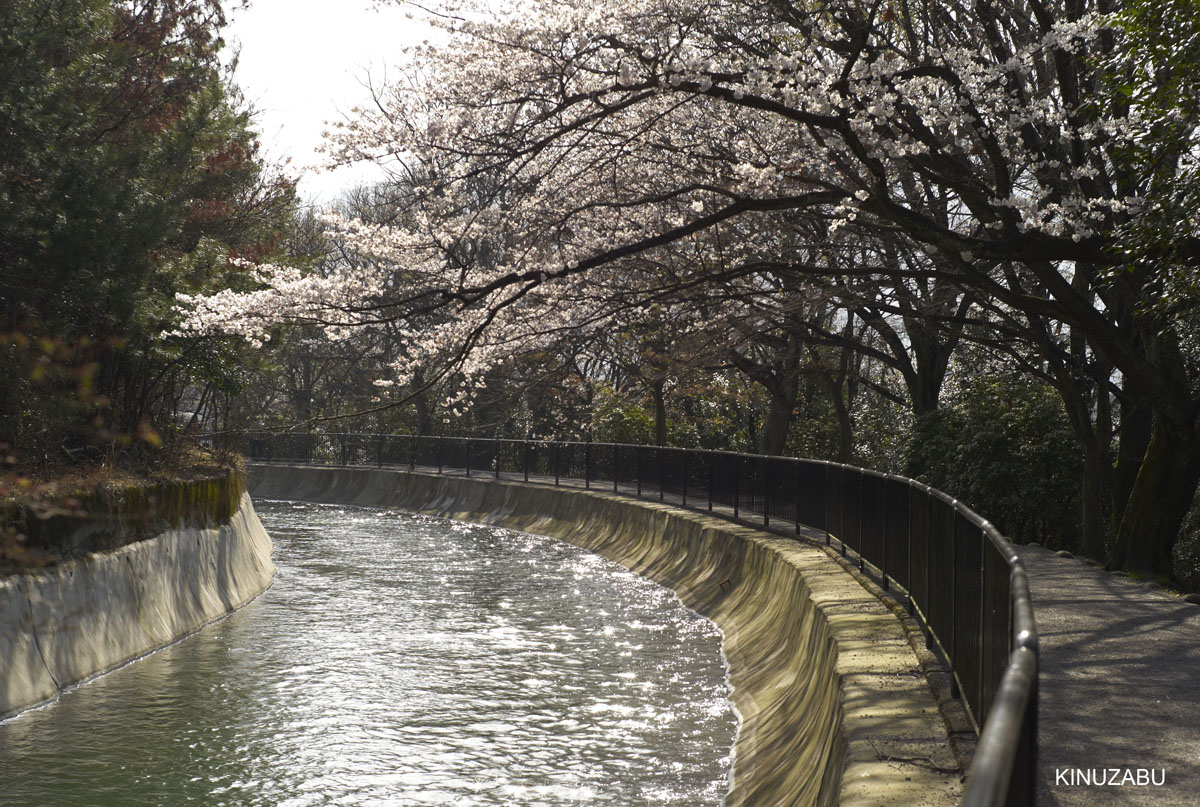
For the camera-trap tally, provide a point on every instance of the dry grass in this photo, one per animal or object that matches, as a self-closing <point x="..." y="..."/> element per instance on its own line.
<point x="62" y="489"/>
<point x="65" y="480"/>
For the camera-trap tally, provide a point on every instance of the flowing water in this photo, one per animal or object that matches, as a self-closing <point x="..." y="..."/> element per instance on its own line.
<point x="400" y="660"/>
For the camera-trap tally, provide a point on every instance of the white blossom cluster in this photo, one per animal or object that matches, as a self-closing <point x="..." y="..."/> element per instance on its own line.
<point x="574" y="153"/>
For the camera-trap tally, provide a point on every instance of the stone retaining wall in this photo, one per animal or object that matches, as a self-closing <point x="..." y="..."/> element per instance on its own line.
<point x="67" y="623"/>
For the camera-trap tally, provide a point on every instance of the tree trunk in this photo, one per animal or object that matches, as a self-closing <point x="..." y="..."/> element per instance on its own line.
<point x="1134" y="439"/>
<point x="780" y="377"/>
<point x="930" y="360"/>
<point x="658" y="392"/>
<point x="784" y="392"/>
<point x="1159" y="501"/>
<point x="845" y="432"/>
<point x="1095" y="526"/>
<point x="841" y="409"/>
<point x="776" y="426"/>
<point x="1087" y="409"/>
<point x="421" y="403"/>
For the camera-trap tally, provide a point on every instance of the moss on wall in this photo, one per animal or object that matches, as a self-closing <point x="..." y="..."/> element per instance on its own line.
<point x="45" y="533"/>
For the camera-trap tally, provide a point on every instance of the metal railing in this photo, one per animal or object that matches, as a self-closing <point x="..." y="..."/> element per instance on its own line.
<point x="959" y="577"/>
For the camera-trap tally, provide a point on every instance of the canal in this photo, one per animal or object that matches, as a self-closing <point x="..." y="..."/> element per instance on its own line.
<point x="402" y="660"/>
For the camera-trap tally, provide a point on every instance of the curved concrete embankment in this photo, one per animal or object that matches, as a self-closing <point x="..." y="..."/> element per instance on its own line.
<point x="834" y="708"/>
<point x="61" y="625"/>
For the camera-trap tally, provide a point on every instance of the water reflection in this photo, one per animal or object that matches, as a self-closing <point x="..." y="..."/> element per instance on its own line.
<point x="401" y="661"/>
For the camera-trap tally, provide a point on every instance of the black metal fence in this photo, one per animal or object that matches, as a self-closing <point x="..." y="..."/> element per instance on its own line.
<point x="960" y="578"/>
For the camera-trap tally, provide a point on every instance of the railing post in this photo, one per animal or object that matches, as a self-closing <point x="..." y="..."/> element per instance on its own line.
<point x="883" y="534"/>
<point x="614" y="467"/>
<point x="497" y="439"/>
<point x="927" y="605"/>
<point x="766" y="487"/>
<point x="439" y="453"/>
<point x="983" y="594"/>
<point x="587" y="465"/>
<point x="828" y="509"/>
<point x="799" y="492"/>
<point x="912" y="606"/>
<point x="525" y="459"/>
<point x="841" y="498"/>
<point x="862" y="562"/>
<point x="737" y="488"/>
<point x="379" y="452"/>
<point x="928" y="562"/>
<point x="952" y="651"/>
<point x="467" y="442"/>
<point x="556" y="461"/>
<point x="711" y="460"/>
<point x="687" y="456"/>
<point x="662" y="486"/>
<point x="638" y="452"/>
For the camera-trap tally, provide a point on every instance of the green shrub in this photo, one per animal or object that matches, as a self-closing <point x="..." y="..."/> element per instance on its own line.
<point x="1003" y="445"/>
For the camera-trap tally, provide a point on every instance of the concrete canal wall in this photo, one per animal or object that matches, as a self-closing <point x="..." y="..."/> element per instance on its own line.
<point x="66" y="623"/>
<point x="834" y="708"/>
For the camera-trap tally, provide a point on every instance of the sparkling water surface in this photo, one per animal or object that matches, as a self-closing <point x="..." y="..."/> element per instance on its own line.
<point x="401" y="660"/>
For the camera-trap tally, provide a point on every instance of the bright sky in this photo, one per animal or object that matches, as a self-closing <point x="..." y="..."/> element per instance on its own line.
<point x="305" y="62"/>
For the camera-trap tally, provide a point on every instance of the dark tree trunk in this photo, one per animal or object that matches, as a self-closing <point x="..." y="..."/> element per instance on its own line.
<point x="1159" y="500"/>
<point x="423" y="414"/>
<point x="421" y="403"/>
<point x="930" y="360"/>
<point x="841" y="410"/>
<point x="925" y="394"/>
<point x="658" y="392"/>
<point x="784" y="390"/>
<point x="1166" y="480"/>
<point x="845" y="431"/>
<point x="840" y="389"/>
<point x="1095" y="524"/>
<point x="776" y="426"/>
<point x="1133" y="440"/>
<point x="1080" y="402"/>
<point x="780" y="377"/>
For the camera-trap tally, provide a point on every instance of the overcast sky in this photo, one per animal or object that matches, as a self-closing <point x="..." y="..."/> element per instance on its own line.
<point x="304" y="62"/>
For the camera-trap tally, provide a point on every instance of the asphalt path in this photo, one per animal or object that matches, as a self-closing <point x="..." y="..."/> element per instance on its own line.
<point x="1120" y="688"/>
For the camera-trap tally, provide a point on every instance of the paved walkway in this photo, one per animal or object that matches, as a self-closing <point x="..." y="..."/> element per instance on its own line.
<point x="1120" y="686"/>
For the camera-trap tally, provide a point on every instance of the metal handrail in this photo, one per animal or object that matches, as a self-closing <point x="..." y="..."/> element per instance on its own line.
<point x="961" y="579"/>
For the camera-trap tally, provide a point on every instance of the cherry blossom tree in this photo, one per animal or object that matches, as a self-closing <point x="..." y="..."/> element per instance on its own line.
<point x="560" y="144"/>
